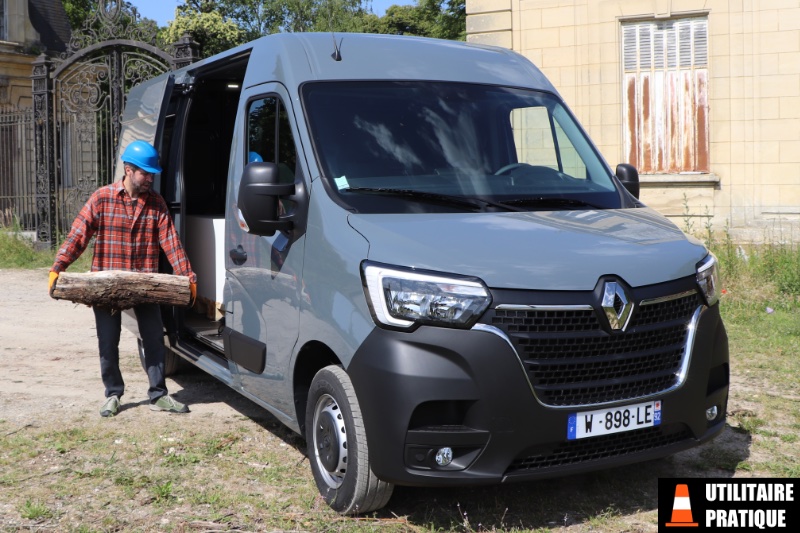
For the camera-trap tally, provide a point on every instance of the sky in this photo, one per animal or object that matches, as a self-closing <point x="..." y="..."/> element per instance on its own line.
<point x="162" y="11"/>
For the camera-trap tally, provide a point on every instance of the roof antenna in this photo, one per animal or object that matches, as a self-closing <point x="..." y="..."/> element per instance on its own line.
<point x="337" y="54"/>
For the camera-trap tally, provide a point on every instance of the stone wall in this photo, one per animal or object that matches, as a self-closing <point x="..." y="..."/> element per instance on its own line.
<point x="754" y="97"/>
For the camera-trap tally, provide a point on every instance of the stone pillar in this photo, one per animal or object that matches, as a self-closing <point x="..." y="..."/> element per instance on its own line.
<point x="187" y="51"/>
<point x="43" y="144"/>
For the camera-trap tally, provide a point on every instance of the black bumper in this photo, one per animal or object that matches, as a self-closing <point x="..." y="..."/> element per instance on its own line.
<point x="468" y="390"/>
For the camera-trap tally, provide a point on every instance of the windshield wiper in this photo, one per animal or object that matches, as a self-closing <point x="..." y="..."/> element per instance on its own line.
<point x="545" y="201"/>
<point x="474" y="203"/>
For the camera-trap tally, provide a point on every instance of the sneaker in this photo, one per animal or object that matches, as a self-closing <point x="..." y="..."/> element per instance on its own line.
<point x="110" y="407"/>
<point x="167" y="403"/>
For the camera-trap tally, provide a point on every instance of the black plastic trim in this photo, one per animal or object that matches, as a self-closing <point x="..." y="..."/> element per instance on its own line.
<point x="245" y="351"/>
<point x="498" y="421"/>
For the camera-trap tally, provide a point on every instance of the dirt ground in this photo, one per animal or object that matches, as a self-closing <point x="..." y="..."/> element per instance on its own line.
<point x="48" y="353"/>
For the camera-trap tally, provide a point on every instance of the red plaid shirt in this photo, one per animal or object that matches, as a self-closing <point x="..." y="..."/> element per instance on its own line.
<point x="129" y="232"/>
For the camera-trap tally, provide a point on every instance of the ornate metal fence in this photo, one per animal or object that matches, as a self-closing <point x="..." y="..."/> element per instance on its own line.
<point x="17" y="191"/>
<point x="78" y="102"/>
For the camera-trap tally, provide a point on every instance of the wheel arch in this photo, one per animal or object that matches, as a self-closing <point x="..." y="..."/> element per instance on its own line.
<point x="312" y="357"/>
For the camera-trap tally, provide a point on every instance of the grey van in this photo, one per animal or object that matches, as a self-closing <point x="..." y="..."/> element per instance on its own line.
<point x="410" y="253"/>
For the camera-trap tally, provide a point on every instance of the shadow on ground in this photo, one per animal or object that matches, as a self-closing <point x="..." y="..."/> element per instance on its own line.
<point x="549" y="503"/>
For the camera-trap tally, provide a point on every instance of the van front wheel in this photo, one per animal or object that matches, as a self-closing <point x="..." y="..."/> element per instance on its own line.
<point x="337" y="446"/>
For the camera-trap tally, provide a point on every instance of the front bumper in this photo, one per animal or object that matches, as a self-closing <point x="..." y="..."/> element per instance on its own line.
<point x="469" y="390"/>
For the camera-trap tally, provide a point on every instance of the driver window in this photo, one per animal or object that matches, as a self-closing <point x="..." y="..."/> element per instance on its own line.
<point x="571" y="161"/>
<point x="544" y="143"/>
<point x="533" y="137"/>
<point x="269" y="136"/>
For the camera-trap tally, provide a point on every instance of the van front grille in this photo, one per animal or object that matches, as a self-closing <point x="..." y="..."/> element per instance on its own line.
<point x="571" y="360"/>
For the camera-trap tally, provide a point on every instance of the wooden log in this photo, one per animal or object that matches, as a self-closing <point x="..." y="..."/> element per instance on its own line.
<point x="119" y="289"/>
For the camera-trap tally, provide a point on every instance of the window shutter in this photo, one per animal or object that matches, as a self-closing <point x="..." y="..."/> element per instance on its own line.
<point x="630" y="57"/>
<point x="701" y="43"/>
<point x="665" y="95"/>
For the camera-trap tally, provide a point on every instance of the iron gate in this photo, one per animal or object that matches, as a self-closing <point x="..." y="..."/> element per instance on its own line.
<point x="17" y="200"/>
<point x="78" y="103"/>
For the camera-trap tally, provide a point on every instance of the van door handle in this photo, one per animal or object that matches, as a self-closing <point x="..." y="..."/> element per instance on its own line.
<point x="238" y="255"/>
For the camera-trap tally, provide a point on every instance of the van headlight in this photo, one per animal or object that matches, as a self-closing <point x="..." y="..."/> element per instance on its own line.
<point x="708" y="279"/>
<point x="401" y="298"/>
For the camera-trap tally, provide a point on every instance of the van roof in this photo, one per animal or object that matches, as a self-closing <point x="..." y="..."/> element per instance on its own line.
<point x="294" y="58"/>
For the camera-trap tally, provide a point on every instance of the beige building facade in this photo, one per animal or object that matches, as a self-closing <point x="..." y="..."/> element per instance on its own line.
<point x="16" y="37"/>
<point x="27" y="29"/>
<point x="703" y="96"/>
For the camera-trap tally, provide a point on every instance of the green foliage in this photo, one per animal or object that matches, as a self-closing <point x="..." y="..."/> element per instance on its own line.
<point x="162" y="491"/>
<point x="35" y="510"/>
<point x="18" y="251"/>
<point x="79" y="11"/>
<point x="442" y="19"/>
<point x="218" y="26"/>
<point x="211" y="30"/>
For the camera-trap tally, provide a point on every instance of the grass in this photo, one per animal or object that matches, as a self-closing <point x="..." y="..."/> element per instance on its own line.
<point x="18" y="251"/>
<point x="249" y="473"/>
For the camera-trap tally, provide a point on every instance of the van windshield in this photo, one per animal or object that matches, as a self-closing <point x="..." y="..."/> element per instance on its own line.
<point x="438" y="147"/>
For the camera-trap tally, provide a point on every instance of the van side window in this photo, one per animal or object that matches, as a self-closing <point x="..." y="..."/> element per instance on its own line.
<point x="269" y="136"/>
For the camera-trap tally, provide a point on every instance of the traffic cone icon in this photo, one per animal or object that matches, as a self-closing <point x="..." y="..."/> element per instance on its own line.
<point x="682" y="508"/>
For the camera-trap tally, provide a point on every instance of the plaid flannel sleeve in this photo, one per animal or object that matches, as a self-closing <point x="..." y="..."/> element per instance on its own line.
<point x="80" y="234"/>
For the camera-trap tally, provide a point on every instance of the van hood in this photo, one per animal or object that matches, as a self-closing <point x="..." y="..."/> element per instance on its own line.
<point x="554" y="250"/>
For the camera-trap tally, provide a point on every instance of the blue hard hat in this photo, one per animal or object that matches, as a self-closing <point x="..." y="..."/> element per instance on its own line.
<point x="254" y="157"/>
<point x="143" y="155"/>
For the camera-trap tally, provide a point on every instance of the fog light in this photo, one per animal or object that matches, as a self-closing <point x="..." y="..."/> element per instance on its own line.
<point x="444" y="456"/>
<point x="711" y="413"/>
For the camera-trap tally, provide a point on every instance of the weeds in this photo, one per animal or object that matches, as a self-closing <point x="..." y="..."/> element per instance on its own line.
<point x="162" y="491"/>
<point x="17" y="250"/>
<point x="35" y="510"/>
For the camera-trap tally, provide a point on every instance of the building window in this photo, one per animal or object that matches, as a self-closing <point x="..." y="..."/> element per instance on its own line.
<point x="3" y="36"/>
<point x="666" y="95"/>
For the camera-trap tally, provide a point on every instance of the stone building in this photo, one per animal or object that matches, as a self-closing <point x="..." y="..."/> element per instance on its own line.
<point x="703" y="96"/>
<point x="27" y="28"/>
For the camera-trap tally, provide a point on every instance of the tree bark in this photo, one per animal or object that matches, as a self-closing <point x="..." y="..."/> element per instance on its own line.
<point x="118" y="289"/>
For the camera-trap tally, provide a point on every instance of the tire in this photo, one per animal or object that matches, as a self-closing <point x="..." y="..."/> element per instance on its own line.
<point x="172" y="362"/>
<point x="337" y="446"/>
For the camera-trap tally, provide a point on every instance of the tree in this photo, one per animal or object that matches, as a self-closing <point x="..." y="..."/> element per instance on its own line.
<point x="219" y="25"/>
<point x="79" y="11"/>
<point x="209" y="29"/>
<point x="331" y="15"/>
<point x="443" y="19"/>
<point x="453" y="20"/>
<point x="88" y="25"/>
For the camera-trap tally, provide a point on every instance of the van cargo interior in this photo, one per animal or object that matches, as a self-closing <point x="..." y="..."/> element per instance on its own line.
<point x="208" y="117"/>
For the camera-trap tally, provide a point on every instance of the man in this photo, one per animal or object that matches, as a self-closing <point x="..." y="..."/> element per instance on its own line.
<point x="131" y="224"/>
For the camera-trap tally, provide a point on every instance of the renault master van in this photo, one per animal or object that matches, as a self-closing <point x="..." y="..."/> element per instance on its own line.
<point x="411" y="254"/>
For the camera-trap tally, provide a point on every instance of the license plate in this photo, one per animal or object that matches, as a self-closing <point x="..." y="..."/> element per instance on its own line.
<point x="613" y="420"/>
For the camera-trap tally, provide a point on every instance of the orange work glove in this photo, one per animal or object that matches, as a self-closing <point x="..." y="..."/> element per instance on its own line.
<point x="52" y="284"/>
<point x="193" y="289"/>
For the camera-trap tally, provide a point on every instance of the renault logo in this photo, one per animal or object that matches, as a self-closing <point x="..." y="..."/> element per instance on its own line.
<point x="616" y="306"/>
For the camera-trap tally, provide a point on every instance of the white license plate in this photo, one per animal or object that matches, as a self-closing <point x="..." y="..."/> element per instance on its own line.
<point x="613" y="420"/>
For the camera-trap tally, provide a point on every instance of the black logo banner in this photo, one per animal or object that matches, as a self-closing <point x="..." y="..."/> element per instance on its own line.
<point x="727" y="504"/>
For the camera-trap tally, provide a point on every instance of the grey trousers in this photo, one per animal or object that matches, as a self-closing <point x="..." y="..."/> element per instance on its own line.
<point x="151" y="331"/>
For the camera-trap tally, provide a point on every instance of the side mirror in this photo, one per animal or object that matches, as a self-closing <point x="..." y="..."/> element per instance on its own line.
<point x="259" y="192"/>
<point x="629" y="177"/>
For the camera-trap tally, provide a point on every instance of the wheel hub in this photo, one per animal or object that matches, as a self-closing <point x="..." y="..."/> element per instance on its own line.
<point x="330" y="441"/>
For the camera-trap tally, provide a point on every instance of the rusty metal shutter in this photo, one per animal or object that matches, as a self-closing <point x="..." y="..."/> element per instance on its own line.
<point x="665" y="95"/>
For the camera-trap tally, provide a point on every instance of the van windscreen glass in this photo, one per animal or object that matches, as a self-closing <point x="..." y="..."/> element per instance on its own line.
<point x="437" y="146"/>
